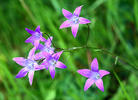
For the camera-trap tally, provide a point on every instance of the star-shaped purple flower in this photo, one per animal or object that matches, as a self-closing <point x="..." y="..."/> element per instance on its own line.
<point x="29" y="66"/>
<point x="47" y="47"/>
<point x="94" y="75"/>
<point x="51" y="62"/>
<point x="73" y="20"/>
<point x="36" y="36"/>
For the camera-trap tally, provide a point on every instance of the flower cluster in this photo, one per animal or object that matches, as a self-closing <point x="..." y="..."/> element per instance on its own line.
<point x="46" y="52"/>
<point x="50" y="58"/>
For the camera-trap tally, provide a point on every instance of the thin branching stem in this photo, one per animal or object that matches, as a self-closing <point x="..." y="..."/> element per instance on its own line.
<point x="95" y="49"/>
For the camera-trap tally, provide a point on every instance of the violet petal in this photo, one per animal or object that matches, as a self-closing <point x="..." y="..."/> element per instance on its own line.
<point x="30" y="39"/>
<point x="99" y="84"/>
<point x="19" y="60"/>
<point x="22" y="73"/>
<point x="38" y="56"/>
<point x="67" y="14"/>
<point x="29" y="31"/>
<point x="84" y="72"/>
<point x="59" y="64"/>
<point x="36" y="43"/>
<point x="65" y="24"/>
<point x="83" y="20"/>
<point x="52" y="71"/>
<point x="103" y="73"/>
<point x="56" y="56"/>
<point x="88" y="84"/>
<point x="39" y="67"/>
<point x="94" y="65"/>
<point x="37" y="29"/>
<point x="77" y="11"/>
<point x="48" y="42"/>
<point x="30" y="76"/>
<point x="75" y="29"/>
<point x="31" y="53"/>
<point x="42" y="39"/>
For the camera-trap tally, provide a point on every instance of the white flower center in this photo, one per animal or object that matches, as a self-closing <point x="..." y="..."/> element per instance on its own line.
<point x="95" y="76"/>
<point x="52" y="62"/>
<point x="37" y="35"/>
<point x="30" y="64"/>
<point x="48" y="49"/>
<point x="75" y="19"/>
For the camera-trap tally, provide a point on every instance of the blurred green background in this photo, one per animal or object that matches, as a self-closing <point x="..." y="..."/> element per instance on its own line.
<point x="114" y="26"/>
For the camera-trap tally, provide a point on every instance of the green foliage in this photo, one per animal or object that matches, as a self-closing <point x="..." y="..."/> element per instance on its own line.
<point x="114" y="27"/>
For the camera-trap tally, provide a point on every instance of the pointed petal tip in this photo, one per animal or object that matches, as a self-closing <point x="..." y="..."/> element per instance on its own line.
<point x="94" y="65"/>
<point x="74" y="36"/>
<point x="102" y="89"/>
<point x="16" y="76"/>
<point x="74" y="29"/>
<point x="63" y="9"/>
<point x="13" y="59"/>
<point x="26" y="29"/>
<point x="81" y="6"/>
<point x="85" y="89"/>
<point x="60" y="27"/>
<point x="52" y="76"/>
<point x="30" y="84"/>
<point x="66" y="13"/>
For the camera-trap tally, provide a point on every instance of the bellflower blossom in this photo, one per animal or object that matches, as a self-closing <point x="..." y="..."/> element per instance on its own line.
<point x="51" y="62"/>
<point x="45" y="48"/>
<point x="29" y="66"/>
<point x="94" y="75"/>
<point x="73" y="20"/>
<point x="36" y="36"/>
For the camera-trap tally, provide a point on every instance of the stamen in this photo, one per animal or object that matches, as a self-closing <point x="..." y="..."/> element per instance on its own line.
<point x="75" y="19"/>
<point x="30" y="64"/>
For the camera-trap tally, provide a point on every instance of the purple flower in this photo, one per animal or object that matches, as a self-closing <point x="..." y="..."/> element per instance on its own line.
<point x="94" y="75"/>
<point x="51" y="62"/>
<point x="36" y="36"/>
<point x="44" y="48"/>
<point x="73" y="20"/>
<point x="29" y="66"/>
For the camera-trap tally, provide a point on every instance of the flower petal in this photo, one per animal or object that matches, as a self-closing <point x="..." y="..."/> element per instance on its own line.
<point x="39" y="67"/>
<point x="103" y="73"/>
<point x="38" y="56"/>
<point x="30" y="39"/>
<point x="56" y="56"/>
<point x="46" y="55"/>
<point x="37" y="29"/>
<point x="52" y="71"/>
<point x="29" y="31"/>
<point x="48" y="42"/>
<point x="22" y="73"/>
<point x="77" y="11"/>
<point x="99" y="84"/>
<point x="83" y="20"/>
<point x="31" y="53"/>
<point x="30" y="76"/>
<point x="42" y="39"/>
<point x="59" y="64"/>
<point x="67" y="14"/>
<point x="40" y="46"/>
<point x="19" y="60"/>
<point x="75" y="29"/>
<point x="94" y="65"/>
<point x="88" y="84"/>
<point x="36" y="43"/>
<point x="84" y="72"/>
<point x="65" y="24"/>
<point x="45" y="64"/>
